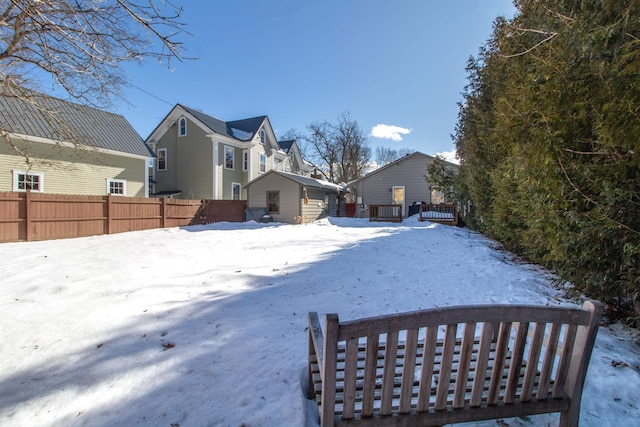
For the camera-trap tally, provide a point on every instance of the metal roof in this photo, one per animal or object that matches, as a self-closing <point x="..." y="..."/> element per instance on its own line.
<point x="62" y="121"/>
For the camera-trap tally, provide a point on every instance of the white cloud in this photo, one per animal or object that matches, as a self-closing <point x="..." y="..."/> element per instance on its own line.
<point x="391" y="132"/>
<point x="450" y="156"/>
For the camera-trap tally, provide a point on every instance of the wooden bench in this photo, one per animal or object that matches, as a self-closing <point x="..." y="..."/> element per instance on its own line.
<point x="441" y="213"/>
<point x="450" y="365"/>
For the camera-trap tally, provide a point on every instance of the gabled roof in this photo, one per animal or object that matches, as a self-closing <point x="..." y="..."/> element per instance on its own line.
<point x="242" y="130"/>
<point x="302" y="180"/>
<point x="286" y="145"/>
<point x="396" y="162"/>
<point x="57" y="120"/>
<point x="216" y="125"/>
<point x="250" y="126"/>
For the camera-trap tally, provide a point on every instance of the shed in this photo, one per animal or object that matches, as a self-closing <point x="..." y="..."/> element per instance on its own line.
<point x="292" y="198"/>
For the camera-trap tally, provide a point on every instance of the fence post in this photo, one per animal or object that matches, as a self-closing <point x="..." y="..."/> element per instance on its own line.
<point x="163" y="206"/>
<point x="109" y="214"/>
<point x="27" y="215"/>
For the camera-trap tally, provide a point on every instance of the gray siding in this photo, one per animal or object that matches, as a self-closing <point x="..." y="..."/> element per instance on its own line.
<point x="376" y="187"/>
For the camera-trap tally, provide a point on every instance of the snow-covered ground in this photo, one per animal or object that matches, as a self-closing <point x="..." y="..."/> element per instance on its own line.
<point x="205" y="325"/>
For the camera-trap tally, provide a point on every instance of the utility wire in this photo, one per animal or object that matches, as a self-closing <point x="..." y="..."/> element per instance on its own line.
<point x="150" y="94"/>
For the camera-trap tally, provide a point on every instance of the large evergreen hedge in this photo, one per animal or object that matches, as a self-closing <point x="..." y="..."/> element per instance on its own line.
<point x="549" y="140"/>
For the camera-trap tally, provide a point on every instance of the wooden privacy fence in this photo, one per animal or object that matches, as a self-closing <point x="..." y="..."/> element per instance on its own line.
<point x="35" y="216"/>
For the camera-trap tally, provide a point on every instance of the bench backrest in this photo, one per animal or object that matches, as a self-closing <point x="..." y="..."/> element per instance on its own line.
<point x="455" y="357"/>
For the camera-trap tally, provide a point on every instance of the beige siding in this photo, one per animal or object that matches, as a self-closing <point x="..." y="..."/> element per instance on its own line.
<point x="189" y="163"/>
<point x="228" y="176"/>
<point x="290" y="198"/>
<point x="73" y="171"/>
<point x="318" y="206"/>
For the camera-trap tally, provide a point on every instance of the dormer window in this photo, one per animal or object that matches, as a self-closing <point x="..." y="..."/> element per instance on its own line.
<point x="263" y="136"/>
<point x="182" y="126"/>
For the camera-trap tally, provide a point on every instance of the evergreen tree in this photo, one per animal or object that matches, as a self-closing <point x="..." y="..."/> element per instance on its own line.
<point x="549" y="140"/>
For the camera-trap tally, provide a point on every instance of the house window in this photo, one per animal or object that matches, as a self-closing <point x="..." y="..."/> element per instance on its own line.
<point x="277" y="164"/>
<point x="182" y="126"/>
<point x="117" y="187"/>
<point x="162" y="159"/>
<point x="228" y="157"/>
<point x="23" y="181"/>
<point x="245" y="160"/>
<point x="273" y="202"/>
<point x="263" y="136"/>
<point x="235" y="190"/>
<point x="263" y="163"/>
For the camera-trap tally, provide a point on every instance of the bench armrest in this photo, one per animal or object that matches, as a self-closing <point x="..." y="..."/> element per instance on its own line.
<point x="316" y="338"/>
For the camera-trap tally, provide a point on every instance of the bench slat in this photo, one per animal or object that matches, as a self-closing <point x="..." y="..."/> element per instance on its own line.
<point x="461" y="314"/>
<point x="549" y="360"/>
<point x="517" y="356"/>
<point x="482" y="362"/>
<point x="388" y="376"/>
<point x="463" y="365"/>
<point x="350" y="371"/>
<point x="408" y="371"/>
<point x="445" y="367"/>
<point x="532" y="362"/>
<point x="370" y="367"/>
<point x="426" y="376"/>
<point x="565" y="359"/>
<point x="498" y="364"/>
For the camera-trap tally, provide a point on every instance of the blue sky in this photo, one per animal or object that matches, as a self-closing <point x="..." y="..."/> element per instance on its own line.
<point x="394" y="63"/>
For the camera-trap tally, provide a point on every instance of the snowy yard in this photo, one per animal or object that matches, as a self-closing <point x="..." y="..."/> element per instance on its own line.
<point x="185" y="327"/>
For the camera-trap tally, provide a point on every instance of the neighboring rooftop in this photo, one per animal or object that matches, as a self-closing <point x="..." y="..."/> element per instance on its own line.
<point x="57" y="120"/>
<point x="243" y="130"/>
<point x="303" y="180"/>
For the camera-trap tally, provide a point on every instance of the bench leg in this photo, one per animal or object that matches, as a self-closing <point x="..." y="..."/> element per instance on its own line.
<point x="310" y="390"/>
<point x="570" y="417"/>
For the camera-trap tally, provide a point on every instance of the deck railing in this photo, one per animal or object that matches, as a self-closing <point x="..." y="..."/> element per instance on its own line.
<point x="389" y="213"/>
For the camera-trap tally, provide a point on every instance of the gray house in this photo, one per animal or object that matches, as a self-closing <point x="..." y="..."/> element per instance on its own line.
<point x="401" y="182"/>
<point x="291" y="198"/>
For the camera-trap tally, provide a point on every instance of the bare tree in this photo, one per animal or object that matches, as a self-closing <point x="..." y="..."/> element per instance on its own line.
<point x="80" y="45"/>
<point x="386" y="155"/>
<point x="325" y="153"/>
<point x="354" y="151"/>
<point x="340" y="150"/>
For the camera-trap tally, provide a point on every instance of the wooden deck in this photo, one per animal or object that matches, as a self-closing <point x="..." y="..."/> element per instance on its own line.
<point x="387" y="213"/>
